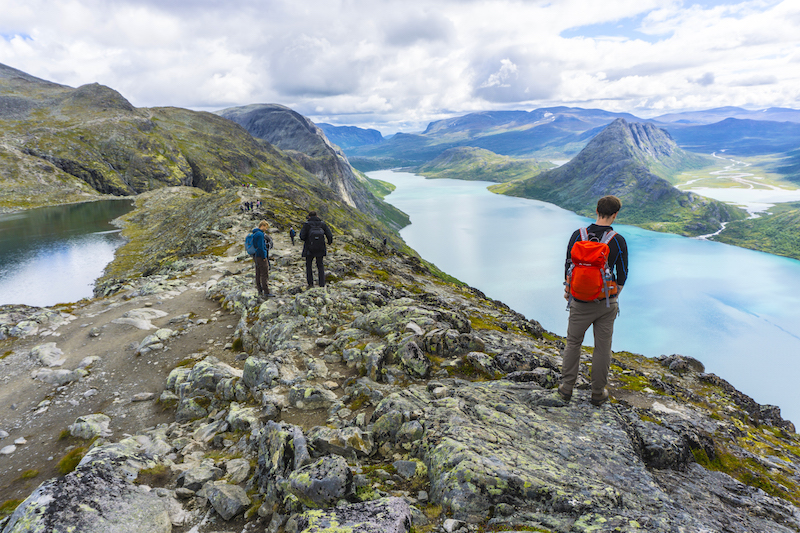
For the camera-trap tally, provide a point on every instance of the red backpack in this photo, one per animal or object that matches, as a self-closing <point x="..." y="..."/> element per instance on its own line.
<point x="589" y="276"/>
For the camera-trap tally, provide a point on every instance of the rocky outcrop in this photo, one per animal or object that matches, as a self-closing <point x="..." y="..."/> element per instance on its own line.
<point x="391" y="398"/>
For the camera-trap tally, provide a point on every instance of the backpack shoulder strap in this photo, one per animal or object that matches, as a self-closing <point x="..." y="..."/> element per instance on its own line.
<point x="608" y="236"/>
<point x="584" y="234"/>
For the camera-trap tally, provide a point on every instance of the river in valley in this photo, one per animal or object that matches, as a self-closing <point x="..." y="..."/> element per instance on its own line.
<point x="53" y="255"/>
<point x="733" y="309"/>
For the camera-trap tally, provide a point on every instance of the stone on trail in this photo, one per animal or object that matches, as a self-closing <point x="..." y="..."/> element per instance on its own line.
<point x="387" y="515"/>
<point x="90" y="426"/>
<point x="48" y="354"/>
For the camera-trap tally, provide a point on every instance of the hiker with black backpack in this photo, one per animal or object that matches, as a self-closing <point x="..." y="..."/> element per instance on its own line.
<point x="314" y="234"/>
<point x="596" y="270"/>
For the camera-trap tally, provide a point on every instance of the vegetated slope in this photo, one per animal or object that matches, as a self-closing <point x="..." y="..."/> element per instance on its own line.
<point x="630" y="161"/>
<point x="775" y="233"/>
<point x="736" y="136"/>
<point x="350" y="136"/>
<point x="307" y="145"/>
<point x="468" y="163"/>
<point x="557" y="133"/>
<point x="59" y="144"/>
<point x="54" y="138"/>
<point x="789" y="166"/>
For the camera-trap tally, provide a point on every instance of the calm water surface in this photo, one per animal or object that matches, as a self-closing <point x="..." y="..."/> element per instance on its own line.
<point x="54" y="254"/>
<point x="735" y="310"/>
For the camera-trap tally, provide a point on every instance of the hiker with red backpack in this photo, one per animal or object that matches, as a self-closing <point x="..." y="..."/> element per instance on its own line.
<point x="596" y="270"/>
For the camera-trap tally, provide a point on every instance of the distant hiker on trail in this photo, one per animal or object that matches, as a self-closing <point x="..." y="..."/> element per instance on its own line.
<point x="314" y="234"/>
<point x="262" y="243"/>
<point x="596" y="270"/>
<point x="292" y="233"/>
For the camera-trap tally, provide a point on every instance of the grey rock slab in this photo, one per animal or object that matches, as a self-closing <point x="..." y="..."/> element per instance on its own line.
<point x="227" y="500"/>
<point x="90" y="426"/>
<point x="322" y="483"/>
<point x="386" y="515"/>
<point x="48" y="354"/>
<point x="91" y="499"/>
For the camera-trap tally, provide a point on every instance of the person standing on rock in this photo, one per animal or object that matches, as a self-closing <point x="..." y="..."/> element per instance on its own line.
<point x="600" y="311"/>
<point x="262" y="243"/>
<point x="292" y="234"/>
<point x="314" y="234"/>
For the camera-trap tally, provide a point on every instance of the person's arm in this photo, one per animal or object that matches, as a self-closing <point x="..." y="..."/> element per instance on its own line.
<point x="328" y="233"/>
<point x="304" y="232"/>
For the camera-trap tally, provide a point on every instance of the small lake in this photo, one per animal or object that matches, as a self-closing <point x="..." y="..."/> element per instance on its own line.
<point x="735" y="310"/>
<point x="53" y="255"/>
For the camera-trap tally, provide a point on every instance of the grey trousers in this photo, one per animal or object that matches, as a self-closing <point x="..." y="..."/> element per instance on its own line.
<point x="601" y="318"/>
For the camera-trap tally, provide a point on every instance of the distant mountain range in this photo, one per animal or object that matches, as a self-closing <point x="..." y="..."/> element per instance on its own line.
<point x="629" y="161"/>
<point x="346" y="137"/>
<point x="561" y="132"/>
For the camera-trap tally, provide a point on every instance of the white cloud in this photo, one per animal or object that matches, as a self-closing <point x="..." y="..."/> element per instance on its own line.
<point x="406" y="62"/>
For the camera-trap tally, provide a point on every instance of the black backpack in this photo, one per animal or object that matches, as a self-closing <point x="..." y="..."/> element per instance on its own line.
<point x="316" y="239"/>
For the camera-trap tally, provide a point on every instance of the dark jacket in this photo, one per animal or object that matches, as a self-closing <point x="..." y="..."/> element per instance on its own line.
<point x="315" y="221"/>
<point x="617" y="252"/>
<point x="262" y="242"/>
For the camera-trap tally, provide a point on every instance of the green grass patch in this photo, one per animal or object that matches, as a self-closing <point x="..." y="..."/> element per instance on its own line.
<point x="29" y="474"/>
<point x="8" y="507"/>
<point x="68" y="463"/>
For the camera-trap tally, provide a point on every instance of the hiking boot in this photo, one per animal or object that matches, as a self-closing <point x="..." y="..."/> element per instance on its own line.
<point x="564" y="397"/>
<point x="597" y="402"/>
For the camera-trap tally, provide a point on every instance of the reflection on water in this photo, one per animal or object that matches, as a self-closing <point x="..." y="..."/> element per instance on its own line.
<point x="733" y="309"/>
<point x="53" y="254"/>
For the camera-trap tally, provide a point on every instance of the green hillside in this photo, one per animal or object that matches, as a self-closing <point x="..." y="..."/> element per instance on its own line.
<point x="775" y="233"/>
<point x="481" y="165"/>
<point x="631" y="161"/>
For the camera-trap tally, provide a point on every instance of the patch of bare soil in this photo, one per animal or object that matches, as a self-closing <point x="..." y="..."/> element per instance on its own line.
<point x="36" y="414"/>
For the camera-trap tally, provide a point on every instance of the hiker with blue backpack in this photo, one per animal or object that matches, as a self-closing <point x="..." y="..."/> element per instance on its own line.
<point x="314" y="234"/>
<point x="596" y="270"/>
<point x="258" y="243"/>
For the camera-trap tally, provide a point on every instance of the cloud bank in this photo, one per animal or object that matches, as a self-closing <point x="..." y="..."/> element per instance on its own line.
<point x="396" y="65"/>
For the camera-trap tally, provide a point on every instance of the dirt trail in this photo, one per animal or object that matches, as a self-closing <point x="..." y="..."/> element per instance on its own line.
<point x="39" y="412"/>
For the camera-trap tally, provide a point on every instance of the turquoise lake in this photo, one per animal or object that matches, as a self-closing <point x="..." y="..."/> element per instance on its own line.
<point x="736" y="310"/>
<point x="53" y="255"/>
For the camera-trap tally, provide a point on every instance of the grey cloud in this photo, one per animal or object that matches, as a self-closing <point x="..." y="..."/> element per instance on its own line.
<point x="313" y="67"/>
<point x="425" y="27"/>
<point x="705" y="80"/>
<point x="756" y="80"/>
<point x="514" y="77"/>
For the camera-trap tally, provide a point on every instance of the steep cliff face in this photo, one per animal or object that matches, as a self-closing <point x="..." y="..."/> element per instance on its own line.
<point x="630" y="161"/>
<point x="307" y="144"/>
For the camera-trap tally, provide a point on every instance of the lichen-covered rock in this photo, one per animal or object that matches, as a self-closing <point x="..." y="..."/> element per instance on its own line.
<point x="323" y="483"/>
<point x="387" y="515"/>
<point x="348" y="441"/>
<point x="243" y="418"/>
<point x="94" y="498"/>
<point x="259" y="373"/>
<point x="90" y="426"/>
<point x="194" y="478"/>
<point x="414" y="360"/>
<point x="311" y="397"/>
<point x="206" y="374"/>
<point x="48" y="354"/>
<point x="227" y="500"/>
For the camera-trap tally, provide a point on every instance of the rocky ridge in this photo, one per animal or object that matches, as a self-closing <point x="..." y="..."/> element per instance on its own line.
<point x="390" y="399"/>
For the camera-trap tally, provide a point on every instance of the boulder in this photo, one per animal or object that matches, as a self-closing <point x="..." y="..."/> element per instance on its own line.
<point x="90" y="426"/>
<point x="386" y="515"/>
<point x="227" y="500"/>
<point x="94" y="498"/>
<point x="323" y="483"/>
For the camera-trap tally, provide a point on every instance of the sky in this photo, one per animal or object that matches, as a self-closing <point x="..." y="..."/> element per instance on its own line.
<point x="396" y="65"/>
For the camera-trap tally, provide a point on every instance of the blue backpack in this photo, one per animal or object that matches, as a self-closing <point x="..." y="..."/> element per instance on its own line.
<point x="248" y="243"/>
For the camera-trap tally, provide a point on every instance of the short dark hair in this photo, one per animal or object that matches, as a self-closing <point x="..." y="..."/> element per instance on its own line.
<point x="608" y="205"/>
<point x="312" y="213"/>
